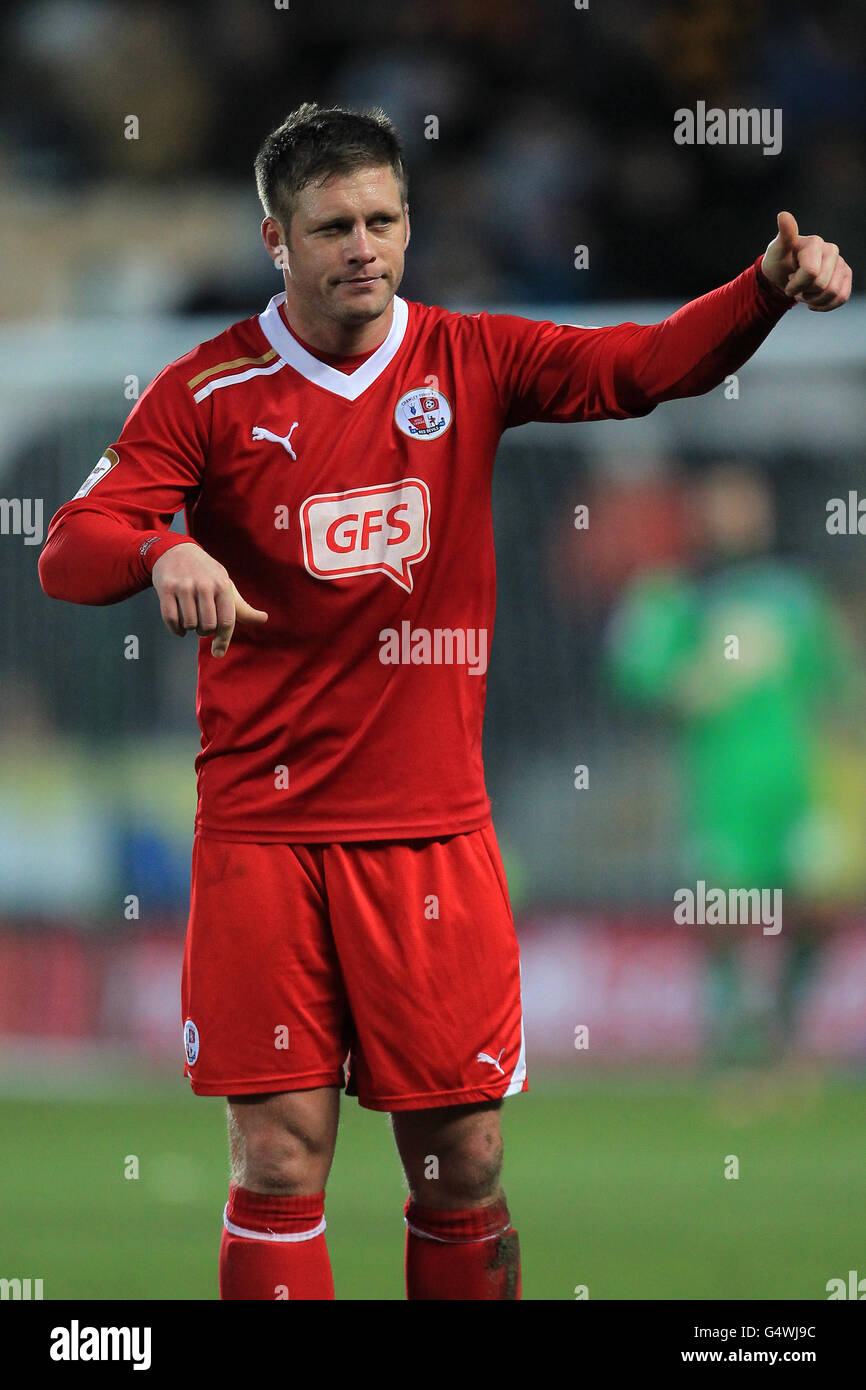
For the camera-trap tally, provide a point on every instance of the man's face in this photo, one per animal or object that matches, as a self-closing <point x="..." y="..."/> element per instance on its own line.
<point x="735" y="510"/>
<point x="346" y="246"/>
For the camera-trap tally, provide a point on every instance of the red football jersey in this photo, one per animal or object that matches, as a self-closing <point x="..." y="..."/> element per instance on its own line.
<point x="354" y="508"/>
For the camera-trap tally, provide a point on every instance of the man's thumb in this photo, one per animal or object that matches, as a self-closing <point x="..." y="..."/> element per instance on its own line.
<point x="788" y="230"/>
<point x="245" y="613"/>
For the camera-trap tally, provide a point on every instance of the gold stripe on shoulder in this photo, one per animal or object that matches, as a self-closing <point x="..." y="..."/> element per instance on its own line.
<point x="226" y="366"/>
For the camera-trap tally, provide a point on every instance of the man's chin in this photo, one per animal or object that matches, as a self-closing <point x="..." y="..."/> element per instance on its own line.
<point x="363" y="313"/>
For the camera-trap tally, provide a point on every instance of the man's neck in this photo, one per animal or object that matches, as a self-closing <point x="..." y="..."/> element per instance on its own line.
<point x="341" y="339"/>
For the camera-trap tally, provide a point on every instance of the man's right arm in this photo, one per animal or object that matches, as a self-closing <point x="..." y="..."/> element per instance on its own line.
<point x="94" y="557"/>
<point x="106" y="544"/>
<point x="196" y="594"/>
<point x="102" y="545"/>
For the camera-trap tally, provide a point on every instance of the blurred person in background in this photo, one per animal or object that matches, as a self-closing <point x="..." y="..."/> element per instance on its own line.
<point x="749" y="734"/>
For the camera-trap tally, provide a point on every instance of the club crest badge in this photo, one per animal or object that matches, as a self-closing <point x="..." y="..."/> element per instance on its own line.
<point x="423" y="414"/>
<point x="190" y="1041"/>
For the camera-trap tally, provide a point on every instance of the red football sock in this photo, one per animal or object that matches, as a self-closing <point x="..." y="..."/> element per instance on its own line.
<point x="274" y="1247"/>
<point x="472" y="1254"/>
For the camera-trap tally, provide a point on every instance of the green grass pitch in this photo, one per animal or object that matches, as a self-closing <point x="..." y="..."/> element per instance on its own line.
<point x="615" y="1184"/>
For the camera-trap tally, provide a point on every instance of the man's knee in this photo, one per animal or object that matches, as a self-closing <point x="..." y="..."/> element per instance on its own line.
<point x="472" y="1174"/>
<point x="452" y="1156"/>
<point x="283" y="1143"/>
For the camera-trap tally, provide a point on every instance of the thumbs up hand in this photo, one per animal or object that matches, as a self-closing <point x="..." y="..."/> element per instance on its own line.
<point x="807" y="268"/>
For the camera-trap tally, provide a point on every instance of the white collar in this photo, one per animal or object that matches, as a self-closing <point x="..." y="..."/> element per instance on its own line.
<point x="349" y="385"/>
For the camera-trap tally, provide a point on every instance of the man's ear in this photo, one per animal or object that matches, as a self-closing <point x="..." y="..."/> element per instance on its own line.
<point x="274" y="239"/>
<point x="408" y="228"/>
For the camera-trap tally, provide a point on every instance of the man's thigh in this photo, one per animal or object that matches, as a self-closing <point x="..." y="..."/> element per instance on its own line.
<point x="264" y="1003"/>
<point x="431" y="964"/>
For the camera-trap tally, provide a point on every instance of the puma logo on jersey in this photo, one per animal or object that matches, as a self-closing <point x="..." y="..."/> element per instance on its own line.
<point x="494" y="1061"/>
<point x="260" y="433"/>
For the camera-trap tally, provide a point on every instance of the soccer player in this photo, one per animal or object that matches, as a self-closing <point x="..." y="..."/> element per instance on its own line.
<point x="747" y="734"/>
<point x="349" y="917"/>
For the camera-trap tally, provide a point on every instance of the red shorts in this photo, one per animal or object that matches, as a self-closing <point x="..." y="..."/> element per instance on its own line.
<point x="389" y="967"/>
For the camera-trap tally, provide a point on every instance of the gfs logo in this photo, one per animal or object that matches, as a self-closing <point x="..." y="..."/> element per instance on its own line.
<point x="367" y="530"/>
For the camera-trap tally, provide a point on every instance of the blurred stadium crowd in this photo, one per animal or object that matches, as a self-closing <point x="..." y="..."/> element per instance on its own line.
<point x="555" y="129"/>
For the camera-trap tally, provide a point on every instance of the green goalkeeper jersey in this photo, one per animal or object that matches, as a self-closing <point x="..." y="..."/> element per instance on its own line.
<point x="743" y="657"/>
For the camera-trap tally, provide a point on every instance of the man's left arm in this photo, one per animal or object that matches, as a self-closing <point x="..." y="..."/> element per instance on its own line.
<point x="806" y="268"/>
<point x="703" y="342"/>
<point x="567" y="373"/>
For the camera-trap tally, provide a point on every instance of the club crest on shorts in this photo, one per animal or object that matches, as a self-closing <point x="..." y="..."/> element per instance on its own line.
<point x="190" y="1041"/>
<point x="423" y="414"/>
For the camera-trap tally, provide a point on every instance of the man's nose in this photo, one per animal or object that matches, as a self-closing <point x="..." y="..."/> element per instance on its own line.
<point x="359" y="245"/>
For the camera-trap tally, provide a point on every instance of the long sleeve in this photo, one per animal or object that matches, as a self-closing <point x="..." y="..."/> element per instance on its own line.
<point x="102" y="545"/>
<point x="564" y="372"/>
